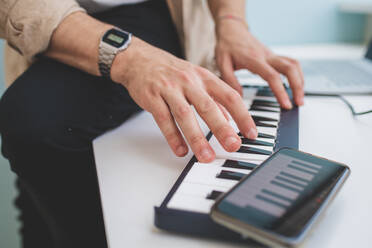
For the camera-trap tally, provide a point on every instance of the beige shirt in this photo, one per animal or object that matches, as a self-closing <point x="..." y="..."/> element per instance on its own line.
<point x="27" y="26"/>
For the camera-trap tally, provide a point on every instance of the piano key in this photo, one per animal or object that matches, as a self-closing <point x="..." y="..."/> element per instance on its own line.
<point x="249" y="93"/>
<point x="190" y="203"/>
<point x="264" y="124"/>
<point x="222" y="154"/>
<point x="204" y="175"/>
<point x="266" y="103"/>
<point x="267" y="98"/>
<point x="261" y="118"/>
<point x="267" y="130"/>
<point x="265" y="114"/>
<point x="198" y="190"/>
<point x="230" y="175"/>
<point x="264" y="109"/>
<point x="253" y="150"/>
<point x="264" y="92"/>
<point x="265" y="135"/>
<point x="239" y="164"/>
<point x="247" y="141"/>
<point x="261" y="135"/>
<point x="265" y="148"/>
<point x="214" y="195"/>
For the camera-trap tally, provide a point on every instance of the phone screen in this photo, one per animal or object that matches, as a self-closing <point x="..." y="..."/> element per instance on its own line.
<point x="283" y="193"/>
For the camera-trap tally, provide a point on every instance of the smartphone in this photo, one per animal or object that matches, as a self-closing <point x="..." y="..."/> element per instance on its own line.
<point x="278" y="203"/>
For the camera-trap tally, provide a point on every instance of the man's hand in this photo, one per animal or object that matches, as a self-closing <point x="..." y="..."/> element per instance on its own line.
<point x="167" y="86"/>
<point x="237" y="49"/>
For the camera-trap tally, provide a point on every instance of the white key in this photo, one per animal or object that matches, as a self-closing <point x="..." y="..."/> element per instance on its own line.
<point x="222" y="154"/>
<point x="208" y="176"/>
<point x="190" y="203"/>
<point x="249" y="93"/>
<point x="269" y="108"/>
<point x="198" y="190"/>
<point x="266" y="148"/>
<point x="267" y="130"/>
<point x="220" y="168"/>
<point x="265" y="114"/>
<point x="267" y="98"/>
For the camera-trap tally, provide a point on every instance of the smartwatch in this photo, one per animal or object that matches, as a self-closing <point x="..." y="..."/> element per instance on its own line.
<point x="112" y="42"/>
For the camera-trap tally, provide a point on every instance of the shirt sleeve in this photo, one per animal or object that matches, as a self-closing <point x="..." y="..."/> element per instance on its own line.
<point x="28" y="25"/>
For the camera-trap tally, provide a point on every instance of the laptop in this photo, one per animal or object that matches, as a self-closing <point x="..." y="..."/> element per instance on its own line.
<point x="339" y="76"/>
<point x="325" y="77"/>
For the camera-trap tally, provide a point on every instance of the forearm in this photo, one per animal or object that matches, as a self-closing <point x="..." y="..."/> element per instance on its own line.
<point x="76" y="40"/>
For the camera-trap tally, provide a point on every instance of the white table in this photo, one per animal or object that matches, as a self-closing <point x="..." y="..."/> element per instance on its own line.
<point x="136" y="169"/>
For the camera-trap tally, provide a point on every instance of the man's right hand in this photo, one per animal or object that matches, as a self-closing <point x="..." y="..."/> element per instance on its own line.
<point x="167" y="86"/>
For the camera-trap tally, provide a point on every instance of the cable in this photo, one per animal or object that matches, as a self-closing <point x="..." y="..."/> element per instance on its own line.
<point x="345" y="101"/>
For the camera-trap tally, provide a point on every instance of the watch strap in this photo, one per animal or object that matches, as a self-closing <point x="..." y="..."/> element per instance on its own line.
<point x="106" y="56"/>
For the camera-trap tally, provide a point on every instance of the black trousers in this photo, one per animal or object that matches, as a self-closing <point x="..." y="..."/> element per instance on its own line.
<point x="48" y="119"/>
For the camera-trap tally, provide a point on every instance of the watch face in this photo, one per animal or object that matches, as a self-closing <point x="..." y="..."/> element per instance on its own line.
<point x="115" y="38"/>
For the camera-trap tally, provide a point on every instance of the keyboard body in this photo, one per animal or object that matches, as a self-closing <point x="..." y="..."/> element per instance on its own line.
<point x="186" y="207"/>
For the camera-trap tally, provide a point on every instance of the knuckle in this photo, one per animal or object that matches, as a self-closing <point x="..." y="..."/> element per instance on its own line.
<point x="203" y="72"/>
<point x="186" y="77"/>
<point x="295" y="62"/>
<point x="182" y="111"/>
<point x="288" y="67"/>
<point x="172" y="137"/>
<point x="162" y="118"/>
<point x="196" y="140"/>
<point x="206" y="106"/>
<point x="274" y="77"/>
<point x="222" y="130"/>
<point x="233" y="97"/>
<point x="152" y="91"/>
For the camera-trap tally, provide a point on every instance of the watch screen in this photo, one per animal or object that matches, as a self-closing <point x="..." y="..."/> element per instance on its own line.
<point x="115" y="38"/>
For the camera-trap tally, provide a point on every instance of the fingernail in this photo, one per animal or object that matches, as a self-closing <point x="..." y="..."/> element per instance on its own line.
<point x="206" y="154"/>
<point x="288" y="104"/>
<point x="230" y="141"/>
<point x="252" y="134"/>
<point x="181" y="150"/>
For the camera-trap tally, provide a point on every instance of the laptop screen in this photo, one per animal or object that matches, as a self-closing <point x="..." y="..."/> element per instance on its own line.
<point x="369" y="51"/>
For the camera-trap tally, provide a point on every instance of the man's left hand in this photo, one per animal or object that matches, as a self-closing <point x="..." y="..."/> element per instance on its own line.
<point x="238" y="49"/>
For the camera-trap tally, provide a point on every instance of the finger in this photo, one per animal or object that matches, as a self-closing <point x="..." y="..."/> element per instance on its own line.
<point x="233" y="102"/>
<point x="227" y="74"/>
<point x="213" y="117"/>
<point x="168" y="127"/>
<point x="270" y="75"/>
<point x="224" y="111"/>
<point x="185" y="117"/>
<point x="290" y="70"/>
<point x="298" y="65"/>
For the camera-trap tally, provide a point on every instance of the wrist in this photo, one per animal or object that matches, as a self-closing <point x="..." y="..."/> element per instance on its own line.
<point x="227" y="22"/>
<point x="123" y="61"/>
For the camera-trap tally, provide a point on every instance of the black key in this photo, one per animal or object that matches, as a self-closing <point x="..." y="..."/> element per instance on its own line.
<point x="253" y="150"/>
<point x="214" y="195"/>
<point x="231" y="175"/>
<point x="260" y="135"/>
<point x="267" y="136"/>
<point x="266" y="103"/>
<point x="255" y="108"/>
<point x="264" y="92"/>
<point x="262" y="118"/>
<point x="263" y="124"/>
<point x="239" y="165"/>
<point x="247" y="141"/>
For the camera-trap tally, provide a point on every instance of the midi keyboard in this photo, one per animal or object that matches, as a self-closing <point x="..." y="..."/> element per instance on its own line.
<point x="186" y="207"/>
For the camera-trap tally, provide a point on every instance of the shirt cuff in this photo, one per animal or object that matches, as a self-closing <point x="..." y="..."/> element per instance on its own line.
<point x="30" y="24"/>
